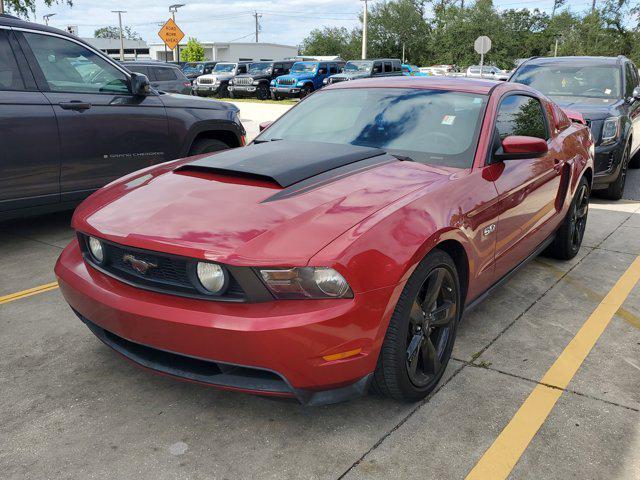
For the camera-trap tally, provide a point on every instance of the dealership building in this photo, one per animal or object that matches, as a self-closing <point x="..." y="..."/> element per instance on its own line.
<point x="133" y="49"/>
<point x="231" y="51"/>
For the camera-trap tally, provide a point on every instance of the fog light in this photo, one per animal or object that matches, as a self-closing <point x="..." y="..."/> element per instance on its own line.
<point x="95" y="246"/>
<point x="211" y="276"/>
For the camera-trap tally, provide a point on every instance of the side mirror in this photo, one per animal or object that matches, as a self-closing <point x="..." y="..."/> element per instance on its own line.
<point x="636" y="93"/>
<point x="140" y="85"/>
<point x="516" y="147"/>
<point x="264" y="125"/>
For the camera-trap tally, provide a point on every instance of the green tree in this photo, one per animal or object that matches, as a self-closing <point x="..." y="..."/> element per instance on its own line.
<point x="193" y="52"/>
<point x="23" y="8"/>
<point x="114" y="32"/>
<point x="333" y="41"/>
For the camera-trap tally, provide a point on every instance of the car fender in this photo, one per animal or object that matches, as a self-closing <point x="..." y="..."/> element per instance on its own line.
<point x="215" y="125"/>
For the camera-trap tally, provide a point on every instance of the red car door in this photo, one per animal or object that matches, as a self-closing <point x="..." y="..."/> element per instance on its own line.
<point x="527" y="188"/>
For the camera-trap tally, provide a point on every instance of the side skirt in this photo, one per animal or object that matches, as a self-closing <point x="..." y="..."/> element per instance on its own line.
<point x="541" y="248"/>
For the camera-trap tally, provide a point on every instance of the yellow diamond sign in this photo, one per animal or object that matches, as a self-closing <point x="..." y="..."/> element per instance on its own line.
<point x="171" y="34"/>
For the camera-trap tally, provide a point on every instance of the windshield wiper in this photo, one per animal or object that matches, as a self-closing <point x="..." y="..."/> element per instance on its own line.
<point x="402" y="158"/>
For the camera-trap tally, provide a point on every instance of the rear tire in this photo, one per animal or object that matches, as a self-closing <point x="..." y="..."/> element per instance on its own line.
<point x="207" y="145"/>
<point x="421" y="332"/>
<point x="569" y="236"/>
<point x="263" y="92"/>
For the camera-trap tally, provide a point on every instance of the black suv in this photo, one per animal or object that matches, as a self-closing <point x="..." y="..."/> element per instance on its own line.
<point x="72" y="120"/>
<point x="605" y="91"/>
<point x="165" y="77"/>
<point x="256" y="82"/>
<point x="379" y="67"/>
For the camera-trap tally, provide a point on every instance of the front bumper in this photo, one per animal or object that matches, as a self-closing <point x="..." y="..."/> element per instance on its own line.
<point x="205" y="89"/>
<point x="271" y="348"/>
<point x="607" y="164"/>
<point x="286" y="91"/>
<point x="242" y="90"/>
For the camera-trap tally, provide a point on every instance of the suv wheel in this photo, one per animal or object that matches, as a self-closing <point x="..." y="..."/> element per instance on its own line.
<point x="263" y="92"/>
<point x="275" y="96"/>
<point x="305" y="90"/>
<point x="223" y="91"/>
<point x="569" y="236"/>
<point x="615" y="190"/>
<point x="207" y="145"/>
<point x="420" y="336"/>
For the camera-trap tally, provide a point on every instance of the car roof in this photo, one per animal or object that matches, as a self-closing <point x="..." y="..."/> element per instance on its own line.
<point x="575" y="60"/>
<point x="459" y="84"/>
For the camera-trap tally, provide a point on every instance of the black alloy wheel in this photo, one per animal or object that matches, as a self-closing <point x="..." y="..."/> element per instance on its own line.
<point x="615" y="190"/>
<point x="263" y="92"/>
<point x="305" y="90"/>
<point x="578" y="219"/>
<point x="422" y="330"/>
<point x="432" y="319"/>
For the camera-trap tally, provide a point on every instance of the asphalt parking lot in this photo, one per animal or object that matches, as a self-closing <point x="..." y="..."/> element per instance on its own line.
<point x="71" y="408"/>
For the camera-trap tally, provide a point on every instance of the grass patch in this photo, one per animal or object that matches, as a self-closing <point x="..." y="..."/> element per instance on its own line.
<point x="286" y="101"/>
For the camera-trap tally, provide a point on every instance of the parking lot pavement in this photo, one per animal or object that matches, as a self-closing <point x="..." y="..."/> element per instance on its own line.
<point x="71" y="408"/>
<point x="252" y="114"/>
<point x="632" y="187"/>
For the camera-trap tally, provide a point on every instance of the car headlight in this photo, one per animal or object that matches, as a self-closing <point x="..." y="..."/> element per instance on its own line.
<point x="211" y="276"/>
<point x="95" y="247"/>
<point x="255" y="82"/>
<point x="273" y="83"/>
<point x="230" y="82"/>
<point x="306" y="282"/>
<point x="325" y="81"/>
<point x="610" y="129"/>
<point x="300" y="84"/>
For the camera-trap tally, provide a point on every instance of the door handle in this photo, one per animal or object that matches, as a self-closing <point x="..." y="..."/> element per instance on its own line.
<point x="75" y="105"/>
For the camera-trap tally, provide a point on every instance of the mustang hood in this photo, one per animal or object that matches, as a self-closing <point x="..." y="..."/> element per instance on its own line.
<point x="275" y="203"/>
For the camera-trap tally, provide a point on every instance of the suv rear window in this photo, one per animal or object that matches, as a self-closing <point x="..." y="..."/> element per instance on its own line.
<point x="164" y="74"/>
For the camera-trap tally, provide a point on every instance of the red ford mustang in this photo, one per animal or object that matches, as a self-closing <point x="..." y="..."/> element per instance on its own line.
<point x="340" y="249"/>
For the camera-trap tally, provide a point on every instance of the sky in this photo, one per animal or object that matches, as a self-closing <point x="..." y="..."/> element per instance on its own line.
<point x="283" y="21"/>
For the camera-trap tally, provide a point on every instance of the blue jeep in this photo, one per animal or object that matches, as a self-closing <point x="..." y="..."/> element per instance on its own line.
<point x="303" y="78"/>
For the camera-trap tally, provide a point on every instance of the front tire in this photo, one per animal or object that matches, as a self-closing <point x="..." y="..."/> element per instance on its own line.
<point x="569" y="236"/>
<point x="263" y="92"/>
<point x="615" y="190"/>
<point x="422" y="330"/>
<point x="305" y="90"/>
<point x="207" y="145"/>
<point x="223" y="91"/>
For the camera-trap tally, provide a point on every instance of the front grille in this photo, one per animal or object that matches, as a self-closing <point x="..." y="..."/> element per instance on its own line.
<point x="244" y="81"/>
<point x="168" y="273"/>
<point x="287" y="81"/>
<point x="205" y="81"/>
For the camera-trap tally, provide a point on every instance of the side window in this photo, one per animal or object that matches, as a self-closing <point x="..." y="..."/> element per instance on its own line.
<point x="630" y="80"/>
<point x="333" y="68"/>
<point x="70" y="67"/>
<point x="387" y="67"/>
<point x="377" y="67"/>
<point x="397" y="67"/>
<point x="164" y="74"/>
<point x="322" y="69"/>
<point x="207" y="69"/>
<point x="521" y="115"/>
<point x="144" y="70"/>
<point x="241" y="69"/>
<point x="10" y="78"/>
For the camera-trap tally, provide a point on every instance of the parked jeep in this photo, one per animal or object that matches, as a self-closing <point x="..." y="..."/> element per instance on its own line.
<point x="355" y="69"/>
<point x="217" y="82"/>
<point x="256" y="82"/>
<point x="72" y="120"/>
<point x="304" y="78"/>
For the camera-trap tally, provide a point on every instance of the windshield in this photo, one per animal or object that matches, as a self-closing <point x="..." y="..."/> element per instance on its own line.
<point x="193" y="68"/>
<point x="429" y="126"/>
<point x="259" y="67"/>
<point x="224" y="67"/>
<point x="572" y="81"/>
<point x="358" y="66"/>
<point x="304" y="67"/>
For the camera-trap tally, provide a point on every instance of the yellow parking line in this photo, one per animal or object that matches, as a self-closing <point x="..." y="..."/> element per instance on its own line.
<point x="27" y="293"/>
<point x="498" y="461"/>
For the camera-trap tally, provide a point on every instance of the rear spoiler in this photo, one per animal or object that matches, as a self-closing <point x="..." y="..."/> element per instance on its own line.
<point x="574" y="116"/>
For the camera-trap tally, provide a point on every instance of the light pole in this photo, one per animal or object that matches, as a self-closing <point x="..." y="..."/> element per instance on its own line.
<point x="173" y="9"/>
<point x="46" y="17"/>
<point x="120" y="12"/>
<point x="364" y="29"/>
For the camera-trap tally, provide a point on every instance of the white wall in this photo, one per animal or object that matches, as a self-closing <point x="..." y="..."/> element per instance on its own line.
<point x="232" y="52"/>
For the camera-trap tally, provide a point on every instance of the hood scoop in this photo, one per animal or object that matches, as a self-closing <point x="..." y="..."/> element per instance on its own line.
<point x="284" y="162"/>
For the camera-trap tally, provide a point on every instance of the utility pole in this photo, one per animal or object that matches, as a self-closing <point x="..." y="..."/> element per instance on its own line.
<point x="555" y="50"/>
<point x="46" y="17"/>
<point x="593" y="6"/>
<point x="257" y="17"/>
<point x="403" y="52"/>
<point x="1" y="6"/>
<point x="120" y="12"/>
<point x="173" y="9"/>
<point x="364" y="29"/>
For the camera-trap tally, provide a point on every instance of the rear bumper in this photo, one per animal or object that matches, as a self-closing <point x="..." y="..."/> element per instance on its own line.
<point x="271" y="348"/>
